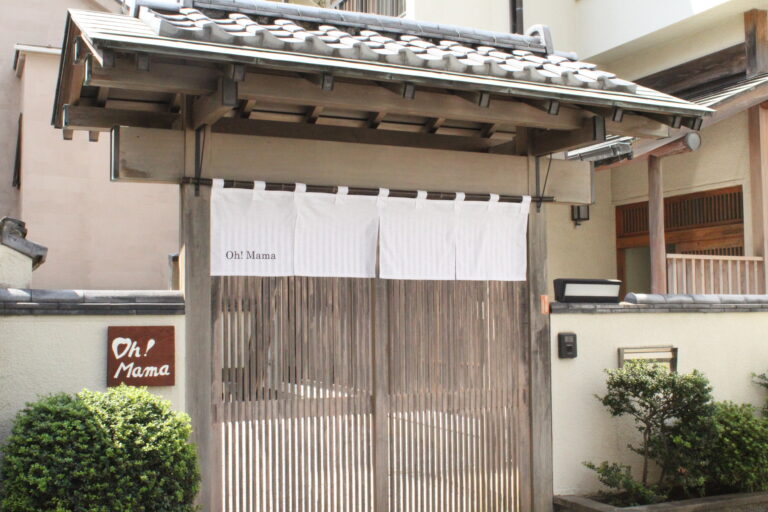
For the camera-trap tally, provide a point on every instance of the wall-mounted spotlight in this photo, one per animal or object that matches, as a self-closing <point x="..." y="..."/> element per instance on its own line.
<point x="605" y="291"/>
<point x="579" y="213"/>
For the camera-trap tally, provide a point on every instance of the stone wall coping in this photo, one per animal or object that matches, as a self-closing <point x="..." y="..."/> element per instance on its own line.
<point x="15" y="301"/>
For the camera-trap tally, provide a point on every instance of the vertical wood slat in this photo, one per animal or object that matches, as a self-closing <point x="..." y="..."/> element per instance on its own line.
<point x="303" y="359"/>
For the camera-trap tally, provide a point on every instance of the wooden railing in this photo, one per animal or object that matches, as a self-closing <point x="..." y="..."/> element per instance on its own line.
<point x="383" y="7"/>
<point x="697" y="274"/>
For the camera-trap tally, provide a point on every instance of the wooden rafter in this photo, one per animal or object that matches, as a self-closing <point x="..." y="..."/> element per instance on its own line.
<point x="210" y="108"/>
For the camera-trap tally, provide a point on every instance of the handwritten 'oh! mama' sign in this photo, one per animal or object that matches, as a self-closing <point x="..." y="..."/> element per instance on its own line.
<point x="141" y="356"/>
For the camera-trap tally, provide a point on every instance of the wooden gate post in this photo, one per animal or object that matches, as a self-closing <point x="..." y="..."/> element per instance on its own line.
<point x="194" y="263"/>
<point x="540" y="363"/>
<point x="381" y="433"/>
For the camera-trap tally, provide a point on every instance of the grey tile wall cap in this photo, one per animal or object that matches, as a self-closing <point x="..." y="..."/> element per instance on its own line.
<point x="14" y="295"/>
<point x="642" y="298"/>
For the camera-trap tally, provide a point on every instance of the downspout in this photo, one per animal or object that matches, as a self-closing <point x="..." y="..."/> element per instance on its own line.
<point x="516" y="25"/>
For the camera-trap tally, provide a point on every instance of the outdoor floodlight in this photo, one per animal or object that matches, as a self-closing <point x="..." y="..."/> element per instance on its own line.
<point x="603" y="291"/>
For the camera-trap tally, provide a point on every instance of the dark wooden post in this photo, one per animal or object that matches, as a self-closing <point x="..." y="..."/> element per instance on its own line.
<point x="756" y="41"/>
<point x="758" y="164"/>
<point x="540" y="363"/>
<point x="656" y="226"/>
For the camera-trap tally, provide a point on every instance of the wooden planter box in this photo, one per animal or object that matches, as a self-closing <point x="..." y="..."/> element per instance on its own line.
<point x="752" y="502"/>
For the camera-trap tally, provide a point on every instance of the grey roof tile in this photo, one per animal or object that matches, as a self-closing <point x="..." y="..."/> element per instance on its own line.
<point x="351" y="35"/>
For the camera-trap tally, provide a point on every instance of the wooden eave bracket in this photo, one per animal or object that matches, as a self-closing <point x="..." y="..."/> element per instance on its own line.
<point x="551" y="141"/>
<point x="551" y="107"/>
<point x="208" y="109"/>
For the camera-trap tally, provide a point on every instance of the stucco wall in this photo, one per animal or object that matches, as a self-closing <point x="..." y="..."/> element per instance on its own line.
<point x="588" y="250"/>
<point x="37" y="22"/>
<point x="100" y="235"/>
<point x="484" y="14"/>
<point x="727" y="347"/>
<point x="40" y="355"/>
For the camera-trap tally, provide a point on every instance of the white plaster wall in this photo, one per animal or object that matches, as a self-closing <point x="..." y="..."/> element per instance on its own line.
<point x="615" y="33"/>
<point x="726" y="347"/>
<point x="99" y="234"/>
<point x="483" y="14"/>
<point x="40" y="355"/>
<point x="588" y="250"/>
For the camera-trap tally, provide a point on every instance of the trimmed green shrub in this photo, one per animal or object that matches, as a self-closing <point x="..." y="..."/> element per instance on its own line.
<point x="628" y="491"/>
<point x="672" y="412"/>
<point x="738" y="454"/>
<point x="120" y="451"/>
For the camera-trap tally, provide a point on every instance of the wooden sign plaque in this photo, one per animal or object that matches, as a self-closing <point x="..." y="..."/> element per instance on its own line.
<point x="141" y="356"/>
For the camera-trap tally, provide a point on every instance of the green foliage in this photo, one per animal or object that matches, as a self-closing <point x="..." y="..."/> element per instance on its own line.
<point x="672" y="412"/>
<point x="629" y="492"/>
<point x="738" y="455"/>
<point x="120" y="451"/>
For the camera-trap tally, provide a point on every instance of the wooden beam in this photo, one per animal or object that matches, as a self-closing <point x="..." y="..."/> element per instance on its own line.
<point x="758" y="177"/>
<point x="163" y="77"/>
<point x="209" y="109"/>
<point x="698" y="72"/>
<point x="314" y="114"/>
<point x="633" y="125"/>
<point x="756" y="41"/>
<point x="104" y="119"/>
<point x="354" y="96"/>
<point x="689" y="142"/>
<point x="656" y="226"/>
<point x="546" y="142"/>
<point x="434" y="124"/>
<point x="488" y="130"/>
<point x="348" y="134"/>
<point x="374" y="121"/>
<point x="277" y="89"/>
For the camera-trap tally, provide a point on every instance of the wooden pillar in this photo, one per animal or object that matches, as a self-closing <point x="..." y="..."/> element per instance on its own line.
<point x="756" y="41"/>
<point x="194" y="264"/>
<point x="540" y="361"/>
<point x="758" y="164"/>
<point x="656" y="226"/>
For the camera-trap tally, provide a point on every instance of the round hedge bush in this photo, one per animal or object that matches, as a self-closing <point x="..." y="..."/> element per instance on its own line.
<point x="120" y="451"/>
<point x="738" y="460"/>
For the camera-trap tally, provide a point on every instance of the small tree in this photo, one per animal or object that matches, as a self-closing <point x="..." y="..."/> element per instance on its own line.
<point x="672" y="412"/>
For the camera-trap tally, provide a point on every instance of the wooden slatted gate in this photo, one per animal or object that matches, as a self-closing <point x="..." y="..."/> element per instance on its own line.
<point x="301" y="424"/>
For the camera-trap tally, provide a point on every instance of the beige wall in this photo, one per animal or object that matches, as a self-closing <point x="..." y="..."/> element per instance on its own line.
<point x="727" y="347"/>
<point x="100" y="235"/>
<point x="36" y="22"/>
<point x="40" y="355"/>
<point x="588" y="250"/>
<point x="484" y="14"/>
<point x="634" y="39"/>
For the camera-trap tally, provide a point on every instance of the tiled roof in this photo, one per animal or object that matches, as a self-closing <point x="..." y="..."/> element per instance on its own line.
<point x="513" y="57"/>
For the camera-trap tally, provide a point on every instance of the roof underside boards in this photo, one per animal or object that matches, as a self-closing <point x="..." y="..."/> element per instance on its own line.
<point x="284" y="44"/>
